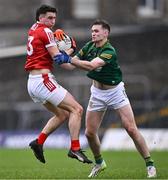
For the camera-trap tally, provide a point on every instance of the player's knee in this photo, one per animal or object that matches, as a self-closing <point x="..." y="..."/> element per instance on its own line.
<point x="63" y="115"/>
<point x="89" y="134"/>
<point x="132" y="131"/>
<point x="79" y="110"/>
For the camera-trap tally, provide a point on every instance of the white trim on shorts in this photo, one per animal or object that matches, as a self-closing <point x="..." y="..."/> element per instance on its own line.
<point x="41" y="91"/>
<point x="114" y="98"/>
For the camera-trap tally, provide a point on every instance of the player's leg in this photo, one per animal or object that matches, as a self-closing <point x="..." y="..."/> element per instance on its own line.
<point x="44" y="89"/>
<point x="93" y="122"/>
<point x="68" y="108"/>
<point x="94" y="116"/>
<point x="75" y="114"/>
<point x="40" y="88"/>
<point x="129" y="124"/>
<point x="59" y="117"/>
<point x="120" y="102"/>
<point x="53" y="123"/>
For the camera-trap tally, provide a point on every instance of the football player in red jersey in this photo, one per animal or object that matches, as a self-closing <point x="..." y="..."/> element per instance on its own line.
<point x="43" y="88"/>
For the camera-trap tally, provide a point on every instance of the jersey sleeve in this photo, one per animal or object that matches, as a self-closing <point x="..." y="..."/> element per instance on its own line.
<point x="107" y="55"/>
<point x="47" y="37"/>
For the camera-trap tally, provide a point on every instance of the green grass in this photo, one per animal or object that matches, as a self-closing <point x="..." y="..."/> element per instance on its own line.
<point x="21" y="164"/>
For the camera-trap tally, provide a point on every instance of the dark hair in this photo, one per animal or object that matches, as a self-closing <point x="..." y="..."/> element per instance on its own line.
<point x="43" y="9"/>
<point x="103" y="23"/>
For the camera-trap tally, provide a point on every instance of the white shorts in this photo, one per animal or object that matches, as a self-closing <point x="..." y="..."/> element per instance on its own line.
<point x="114" y="98"/>
<point x="44" y="87"/>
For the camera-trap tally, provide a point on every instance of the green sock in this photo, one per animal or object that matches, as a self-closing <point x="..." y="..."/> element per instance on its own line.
<point x="98" y="159"/>
<point x="149" y="161"/>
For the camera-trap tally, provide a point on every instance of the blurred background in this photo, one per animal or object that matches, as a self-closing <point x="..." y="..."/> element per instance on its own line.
<point x="139" y="32"/>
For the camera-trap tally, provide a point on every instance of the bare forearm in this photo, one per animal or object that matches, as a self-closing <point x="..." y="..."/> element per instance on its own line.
<point x="68" y="66"/>
<point x="86" y="65"/>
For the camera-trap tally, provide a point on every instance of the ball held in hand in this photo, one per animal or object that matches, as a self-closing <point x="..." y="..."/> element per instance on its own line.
<point x="63" y="41"/>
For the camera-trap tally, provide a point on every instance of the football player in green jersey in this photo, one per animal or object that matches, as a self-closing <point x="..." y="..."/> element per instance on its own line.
<point x="99" y="58"/>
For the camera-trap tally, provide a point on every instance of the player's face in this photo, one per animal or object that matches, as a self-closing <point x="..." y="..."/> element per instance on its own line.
<point x="98" y="33"/>
<point x="48" y="19"/>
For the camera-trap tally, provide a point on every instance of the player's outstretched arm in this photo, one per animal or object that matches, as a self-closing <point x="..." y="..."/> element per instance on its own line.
<point x="87" y="65"/>
<point x="68" y="66"/>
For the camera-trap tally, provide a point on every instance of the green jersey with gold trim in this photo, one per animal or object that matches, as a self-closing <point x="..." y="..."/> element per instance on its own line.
<point x="110" y="73"/>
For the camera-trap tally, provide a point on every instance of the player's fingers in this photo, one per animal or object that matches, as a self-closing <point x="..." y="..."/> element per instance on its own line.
<point x="73" y="42"/>
<point x="56" y="36"/>
<point x="62" y="36"/>
<point x="59" y="37"/>
<point x="59" y="34"/>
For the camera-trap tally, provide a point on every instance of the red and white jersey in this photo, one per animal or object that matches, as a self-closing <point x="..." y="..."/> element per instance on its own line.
<point x="40" y="37"/>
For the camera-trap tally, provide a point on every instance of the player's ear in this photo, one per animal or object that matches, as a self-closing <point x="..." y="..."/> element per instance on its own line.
<point x="106" y="32"/>
<point x="41" y="17"/>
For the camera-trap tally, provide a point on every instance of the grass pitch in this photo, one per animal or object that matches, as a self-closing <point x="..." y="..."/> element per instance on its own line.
<point x="21" y="164"/>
